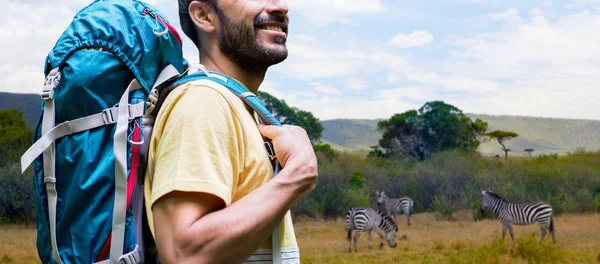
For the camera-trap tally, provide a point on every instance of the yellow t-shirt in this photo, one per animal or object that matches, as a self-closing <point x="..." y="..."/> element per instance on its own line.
<point x="206" y="140"/>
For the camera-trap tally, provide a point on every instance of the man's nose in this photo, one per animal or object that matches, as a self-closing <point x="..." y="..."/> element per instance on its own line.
<point x="277" y="6"/>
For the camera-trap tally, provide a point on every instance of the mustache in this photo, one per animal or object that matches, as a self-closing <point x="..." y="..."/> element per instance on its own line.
<point x="271" y="18"/>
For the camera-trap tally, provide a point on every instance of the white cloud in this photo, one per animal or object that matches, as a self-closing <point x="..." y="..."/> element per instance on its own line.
<point x="271" y="88"/>
<point x="538" y="68"/>
<point x="511" y="14"/>
<point x="308" y="62"/>
<point x="332" y="107"/>
<point x="28" y="31"/>
<point x="535" y="12"/>
<point x="533" y="65"/>
<point x="580" y="3"/>
<point x="355" y="83"/>
<point x="322" y="12"/>
<point x="417" y="38"/>
<point x="416" y="93"/>
<point x="325" y="89"/>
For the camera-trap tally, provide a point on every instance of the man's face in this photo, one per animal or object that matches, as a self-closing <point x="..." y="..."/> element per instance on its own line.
<point x="253" y="33"/>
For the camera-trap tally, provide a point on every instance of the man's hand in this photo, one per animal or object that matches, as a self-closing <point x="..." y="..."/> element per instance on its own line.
<point x="296" y="154"/>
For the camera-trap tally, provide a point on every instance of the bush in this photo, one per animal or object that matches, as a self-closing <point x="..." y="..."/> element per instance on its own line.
<point x="16" y="198"/>
<point x="478" y="215"/>
<point x="444" y="209"/>
<point x="453" y="180"/>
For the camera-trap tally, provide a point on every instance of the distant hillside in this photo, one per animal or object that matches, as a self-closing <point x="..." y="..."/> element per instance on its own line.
<point x="544" y="135"/>
<point x="28" y="104"/>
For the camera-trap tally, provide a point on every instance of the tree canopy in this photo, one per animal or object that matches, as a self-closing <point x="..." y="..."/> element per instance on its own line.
<point x="436" y="126"/>
<point x="501" y="137"/>
<point x="15" y="137"/>
<point x="293" y="116"/>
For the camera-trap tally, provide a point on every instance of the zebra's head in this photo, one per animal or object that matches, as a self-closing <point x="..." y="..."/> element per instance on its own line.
<point x="485" y="201"/>
<point x="390" y="228"/>
<point x="381" y="197"/>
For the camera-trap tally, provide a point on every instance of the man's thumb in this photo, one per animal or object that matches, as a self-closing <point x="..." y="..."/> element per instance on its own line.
<point x="268" y="131"/>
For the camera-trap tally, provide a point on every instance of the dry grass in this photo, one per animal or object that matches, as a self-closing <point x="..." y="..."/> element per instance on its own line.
<point x="428" y="241"/>
<point x="17" y="244"/>
<point x="461" y="241"/>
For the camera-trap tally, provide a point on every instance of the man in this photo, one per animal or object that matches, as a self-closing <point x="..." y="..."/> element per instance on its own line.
<point x="209" y="192"/>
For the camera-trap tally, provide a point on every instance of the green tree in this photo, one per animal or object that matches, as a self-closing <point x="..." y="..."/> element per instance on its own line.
<point x="293" y="116"/>
<point x="529" y="151"/>
<point x="436" y="126"/>
<point x="15" y="137"/>
<point x="501" y="137"/>
<point x="16" y="199"/>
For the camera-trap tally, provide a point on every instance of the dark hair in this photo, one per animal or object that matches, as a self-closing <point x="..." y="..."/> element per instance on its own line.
<point x="186" y="22"/>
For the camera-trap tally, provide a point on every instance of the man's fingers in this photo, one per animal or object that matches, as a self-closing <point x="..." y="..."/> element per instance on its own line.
<point x="269" y="131"/>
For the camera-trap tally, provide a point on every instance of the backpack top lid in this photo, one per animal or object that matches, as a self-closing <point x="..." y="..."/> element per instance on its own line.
<point x="137" y="33"/>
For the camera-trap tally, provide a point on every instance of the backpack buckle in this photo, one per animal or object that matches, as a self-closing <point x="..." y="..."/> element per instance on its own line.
<point x="108" y="116"/>
<point x="51" y="81"/>
<point x="270" y="150"/>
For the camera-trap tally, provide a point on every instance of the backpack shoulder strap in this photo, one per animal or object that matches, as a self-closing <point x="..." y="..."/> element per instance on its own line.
<point x="158" y="95"/>
<point x="236" y="88"/>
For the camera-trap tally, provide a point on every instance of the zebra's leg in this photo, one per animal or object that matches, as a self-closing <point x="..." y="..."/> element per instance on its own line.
<point x="369" y="239"/>
<point x="380" y="236"/>
<point x="551" y="228"/>
<point x="543" y="233"/>
<point x="408" y="216"/>
<point x="350" y="241"/>
<point x="356" y="237"/>
<point x="503" y="231"/>
<point x="510" y="230"/>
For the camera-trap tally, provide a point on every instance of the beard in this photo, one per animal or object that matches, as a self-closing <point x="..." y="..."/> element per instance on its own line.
<point x="238" y="42"/>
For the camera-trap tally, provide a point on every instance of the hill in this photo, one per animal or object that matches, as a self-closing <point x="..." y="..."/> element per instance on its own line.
<point x="544" y="135"/>
<point x="28" y="104"/>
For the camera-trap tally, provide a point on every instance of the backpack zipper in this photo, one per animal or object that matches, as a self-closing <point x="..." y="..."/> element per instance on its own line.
<point x="164" y="22"/>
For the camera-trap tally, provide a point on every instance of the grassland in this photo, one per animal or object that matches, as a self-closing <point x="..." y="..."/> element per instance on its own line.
<point x="461" y="241"/>
<point x="17" y="244"/>
<point x="427" y="241"/>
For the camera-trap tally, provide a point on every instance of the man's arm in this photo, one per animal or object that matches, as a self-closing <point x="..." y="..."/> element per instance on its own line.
<point x="196" y="228"/>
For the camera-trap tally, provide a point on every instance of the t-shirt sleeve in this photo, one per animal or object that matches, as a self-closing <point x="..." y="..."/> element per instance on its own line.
<point x="199" y="148"/>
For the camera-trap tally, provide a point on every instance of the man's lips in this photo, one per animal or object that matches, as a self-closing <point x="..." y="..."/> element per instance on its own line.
<point x="274" y="26"/>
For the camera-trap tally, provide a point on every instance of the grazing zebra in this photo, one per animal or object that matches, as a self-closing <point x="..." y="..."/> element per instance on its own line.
<point x="395" y="206"/>
<point x="367" y="219"/>
<point x="519" y="214"/>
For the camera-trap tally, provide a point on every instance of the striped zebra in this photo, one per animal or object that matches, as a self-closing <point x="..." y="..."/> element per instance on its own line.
<point x="519" y="214"/>
<point x="367" y="219"/>
<point x="394" y="206"/>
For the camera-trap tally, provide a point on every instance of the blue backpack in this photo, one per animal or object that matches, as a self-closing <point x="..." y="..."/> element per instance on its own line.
<point x="105" y="79"/>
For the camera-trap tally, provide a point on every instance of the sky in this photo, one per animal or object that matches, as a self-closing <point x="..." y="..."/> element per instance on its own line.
<point x="375" y="58"/>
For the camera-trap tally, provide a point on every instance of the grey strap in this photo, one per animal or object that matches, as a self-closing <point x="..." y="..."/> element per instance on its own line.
<point x="167" y="73"/>
<point x="120" y="202"/>
<point x="276" y="245"/>
<point x="51" y="82"/>
<point x="106" y="117"/>
<point x="132" y="257"/>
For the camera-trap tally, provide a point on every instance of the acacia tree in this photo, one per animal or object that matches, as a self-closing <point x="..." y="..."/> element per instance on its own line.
<point x="501" y="137"/>
<point x="529" y="150"/>
<point x="293" y="116"/>
<point x="436" y="126"/>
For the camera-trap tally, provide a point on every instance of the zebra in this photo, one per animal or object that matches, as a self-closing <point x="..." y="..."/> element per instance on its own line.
<point x="367" y="219"/>
<point x="395" y="206"/>
<point x="519" y="214"/>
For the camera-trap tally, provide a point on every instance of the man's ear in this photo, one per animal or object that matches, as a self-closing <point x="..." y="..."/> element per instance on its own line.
<point x="203" y="15"/>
